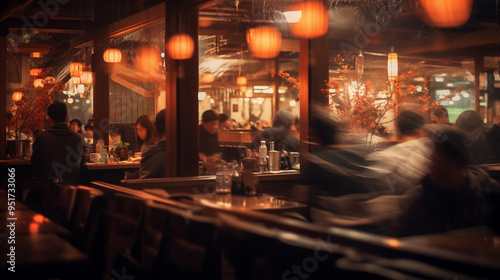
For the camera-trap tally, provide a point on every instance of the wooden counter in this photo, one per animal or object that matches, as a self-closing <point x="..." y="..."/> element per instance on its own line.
<point x="237" y="137"/>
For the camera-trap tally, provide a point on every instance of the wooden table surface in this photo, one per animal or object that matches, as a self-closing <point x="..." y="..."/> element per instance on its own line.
<point x="121" y="165"/>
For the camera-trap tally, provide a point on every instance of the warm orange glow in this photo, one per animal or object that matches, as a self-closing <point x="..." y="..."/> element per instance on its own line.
<point x="75" y="68"/>
<point x="76" y="80"/>
<point x="204" y="22"/>
<point x="38" y="218"/>
<point x="38" y="83"/>
<point x="17" y="95"/>
<point x="241" y="80"/>
<point x="50" y="80"/>
<point x="180" y="46"/>
<point x="446" y="13"/>
<point x="36" y="54"/>
<point x="112" y="56"/>
<point x="86" y="77"/>
<point x="207" y="78"/>
<point x="264" y="41"/>
<point x="392" y="66"/>
<point x="148" y="59"/>
<point x="393" y="242"/>
<point x="313" y="20"/>
<point x="35" y="72"/>
<point x="34" y="227"/>
<point x="80" y="89"/>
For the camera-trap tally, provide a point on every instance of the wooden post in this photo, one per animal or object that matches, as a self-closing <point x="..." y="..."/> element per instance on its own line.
<point x="313" y="76"/>
<point x="100" y="105"/>
<point x="3" y="89"/>
<point x="182" y="95"/>
<point x="478" y="67"/>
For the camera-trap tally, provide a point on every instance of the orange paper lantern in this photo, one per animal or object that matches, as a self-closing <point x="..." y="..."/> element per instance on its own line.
<point x="112" y="56"/>
<point x="241" y="80"/>
<point x="446" y="13"/>
<point x="17" y="95"/>
<point x="180" y="46"/>
<point x="311" y="19"/>
<point x="75" y="68"/>
<point x="207" y="78"/>
<point x="35" y="72"/>
<point x="76" y="80"/>
<point x="392" y="67"/>
<point x="86" y="77"/>
<point x="148" y="59"/>
<point x="264" y="41"/>
<point x="38" y="83"/>
<point x="36" y="54"/>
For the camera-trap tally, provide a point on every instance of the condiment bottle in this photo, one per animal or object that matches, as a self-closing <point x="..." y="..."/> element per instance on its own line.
<point x="274" y="158"/>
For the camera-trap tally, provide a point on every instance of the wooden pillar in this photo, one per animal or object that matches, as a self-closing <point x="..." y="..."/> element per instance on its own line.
<point x="182" y="95"/>
<point x="478" y="67"/>
<point x="100" y="105"/>
<point x="313" y="76"/>
<point x="3" y="89"/>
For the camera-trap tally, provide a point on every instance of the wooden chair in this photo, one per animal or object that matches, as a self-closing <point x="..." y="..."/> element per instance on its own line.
<point x="60" y="200"/>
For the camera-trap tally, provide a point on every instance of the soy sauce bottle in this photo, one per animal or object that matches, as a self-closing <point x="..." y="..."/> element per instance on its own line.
<point x="236" y="180"/>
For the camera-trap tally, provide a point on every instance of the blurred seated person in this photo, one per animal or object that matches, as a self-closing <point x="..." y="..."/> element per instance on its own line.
<point x="405" y="163"/>
<point x="482" y="140"/>
<point x="89" y="134"/>
<point x="153" y="159"/>
<point x="76" y="125"/>
<point x="208" y="138"/>
<point x="145" y="133"/>
<point x="279" y="133"/>
<point x="59" y="151"/>
<point x="439" y="115"/>
<point x="224" y="122"/>
<point x="454" y="195"/>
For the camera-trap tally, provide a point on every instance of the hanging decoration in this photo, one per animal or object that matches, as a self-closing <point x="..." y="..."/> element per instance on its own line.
<point x="148" y="59"/>
<point x="392" y="66"/>
<point x="17" y="95"/>
<point x="308" y="19"/>
<point x="264" y="41"/>
<point x="446" y="13"/>
<point x="112" y="55"/>
<point x="241" y="81"/>
<point x="360" y="64"/>
<point x="38" y="83"/>
<point x="180" y="46"/>
<point x="75" y="68"/>
<point x="86" y="77"/>
<point x="36" y="54"/>
<point x="207" y="78"/>
<point x="35" y="72"/>
<point x="80" y="89"/>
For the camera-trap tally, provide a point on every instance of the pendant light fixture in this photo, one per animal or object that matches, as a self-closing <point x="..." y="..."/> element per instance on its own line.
<point x="308" y="19"/>
<point x="446" y="13"/>
<point x="392" y="66"/>
<point x="180" y="47"/>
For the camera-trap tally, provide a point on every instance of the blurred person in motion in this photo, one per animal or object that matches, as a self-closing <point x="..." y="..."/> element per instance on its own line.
<point x="153" y="159"/>
<point x="453" y="195"/>
<point x="279" y="133"/>
<point x="224" y="122"/>
<point x="59" y="151"/>
<point x="439" y="115"/>
<point x="76" y="125"/>
<point x="208" y="140"/>
<point x="482" y="140"/>
<point x="145" y="133"/>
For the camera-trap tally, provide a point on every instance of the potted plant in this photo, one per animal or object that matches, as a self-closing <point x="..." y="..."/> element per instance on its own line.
<point x="29" y="112"/>
<point x="121" y="149"/>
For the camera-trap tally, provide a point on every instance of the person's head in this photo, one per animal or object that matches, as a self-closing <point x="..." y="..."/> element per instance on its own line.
<point x="450" y="156"/>
<point x="224" y="121"/>
<point x="439" y="115"/>
<point x="160" y="124"/>
<point x="469" y="121"/>
<point x="90" y="122"/>
<point x="76" y="125"/>
<point x="210" y="121"/>
<point x="57" y="113"/>
<point x="283" y="119"/>
<point x="89" y="130"/>
<point x="145" y="128"/>
<point x="410" y="124"/>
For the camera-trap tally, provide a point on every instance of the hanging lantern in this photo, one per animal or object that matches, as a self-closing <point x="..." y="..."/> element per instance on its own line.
<point x="80" y="89"/>
<point x="148" y="59"/>
<point x="50" y="80"/>
<point x="241" y="80"/>
<point x="392" y="66"/>
<point x="75" y="68"/>
<point x="35" y="72"/>
<point x="360" y="64"/>
<point x="207" y="78"/>
<point x="76" y="80"/>
<point x="446" y="13"/>
<point x="180" y="46"/>
<point x="264" y="41"/>
<point x="308" y="19"/>
<point x="112" y="56"/>
<point x="17" y="95"/>
<point x="36" y="54"/>
<point x="86" y="77"/>
<point x="38" y="83"/>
